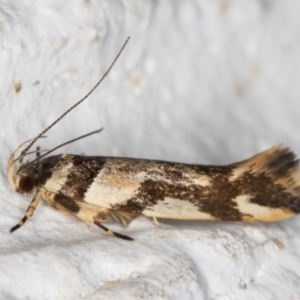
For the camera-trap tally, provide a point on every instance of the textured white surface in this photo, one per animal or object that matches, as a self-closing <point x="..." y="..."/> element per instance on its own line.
<point x="201" y="81"/>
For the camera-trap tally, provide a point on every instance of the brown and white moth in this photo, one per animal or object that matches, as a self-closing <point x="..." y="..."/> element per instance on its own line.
<point x="265" y="187"/>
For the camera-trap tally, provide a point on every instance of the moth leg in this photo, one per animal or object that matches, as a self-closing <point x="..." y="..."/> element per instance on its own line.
<point x="110" y="232"/>
<point x="29" y="212"/>
<point x="155" y="221"/>
<point x="124" y="217"/>
<point x="86" y="212"/>
<point x="123" y="220"/>
<point x="92" y="213"/>
<point x="121" y="217"/>
<point x="115" y="218"/>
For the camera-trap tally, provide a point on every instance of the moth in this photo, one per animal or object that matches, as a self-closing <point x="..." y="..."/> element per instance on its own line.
<point x="265" y="187"/>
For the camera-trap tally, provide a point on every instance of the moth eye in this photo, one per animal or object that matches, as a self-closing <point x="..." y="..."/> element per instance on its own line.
<point x="26" y="184"/>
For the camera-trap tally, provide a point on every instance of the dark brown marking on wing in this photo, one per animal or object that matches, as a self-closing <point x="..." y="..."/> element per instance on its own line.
<point x="81" y="175"/>
<point x="207" y="199"/>
<point x="48" y="166"/>
<point x="67" y="203"/>
<point x="267" y="180"/>
<point x="274" y="176"/>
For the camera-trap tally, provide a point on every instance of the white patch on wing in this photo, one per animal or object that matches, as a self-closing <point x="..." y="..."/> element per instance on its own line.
<point x="176" y="209"/>
<point x="260" y="213"/>
<point x="245" y="207"/>
<point x="58" y="179"/>
<point x="111" y="189"/>
<point x="201" y="180"/>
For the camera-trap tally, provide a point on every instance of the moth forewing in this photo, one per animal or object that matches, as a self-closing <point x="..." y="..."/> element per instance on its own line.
<point x="265" y="187"/>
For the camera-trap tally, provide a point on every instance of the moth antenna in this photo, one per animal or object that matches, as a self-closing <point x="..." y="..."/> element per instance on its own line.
<point x="38" y="152"/>
<point x="59" y="146"/>
<point x="32" y="152"/>
<point x="21" y="156"/>
<point x="11" y="164"/>
<point x="77" y="103"/>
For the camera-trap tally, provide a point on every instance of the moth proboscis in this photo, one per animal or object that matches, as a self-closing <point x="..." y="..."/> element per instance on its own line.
<point x="265" y="187"/>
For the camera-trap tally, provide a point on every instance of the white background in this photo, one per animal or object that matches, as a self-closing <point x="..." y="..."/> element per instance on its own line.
<point x="207" y="82"/>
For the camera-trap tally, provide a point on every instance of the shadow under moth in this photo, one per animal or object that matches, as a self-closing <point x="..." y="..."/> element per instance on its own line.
<point x="265" y="187"/>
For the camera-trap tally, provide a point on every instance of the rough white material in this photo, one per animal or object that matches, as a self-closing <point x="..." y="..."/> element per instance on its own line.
<point x="201" y="81"/>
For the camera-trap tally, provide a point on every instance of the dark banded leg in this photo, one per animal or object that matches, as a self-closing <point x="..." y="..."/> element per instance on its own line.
<point x="29" y="212"/>
<point x="89" y="213"/>
<point x="110" y="232"/>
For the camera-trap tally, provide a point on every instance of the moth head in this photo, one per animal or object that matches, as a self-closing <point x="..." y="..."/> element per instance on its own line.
<point x="21" y="178"/>
<point x="26" y="178"/>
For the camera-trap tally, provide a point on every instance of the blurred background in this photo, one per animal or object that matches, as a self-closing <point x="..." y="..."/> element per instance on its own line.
<point x="200" y="81"/>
